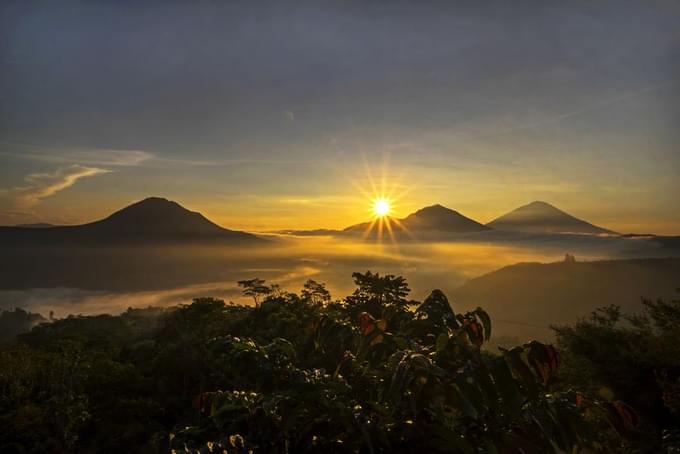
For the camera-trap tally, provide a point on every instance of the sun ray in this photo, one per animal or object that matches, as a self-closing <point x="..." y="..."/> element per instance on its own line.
<point x="384" y="192"/>
<point x="369" y="229"/>
<point x="390" y="232"/>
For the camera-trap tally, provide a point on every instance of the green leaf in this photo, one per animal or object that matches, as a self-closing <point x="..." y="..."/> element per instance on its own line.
<point x="486" y="322"/>
<point x="442" y="341"/>
<point x="522" y="370"/>
<point x="459" y="400"/>
<point x="469" y="388"/>
<point x="401" y="342"/>
<point x="507" y="387"/>
<point x="486" y="385"/>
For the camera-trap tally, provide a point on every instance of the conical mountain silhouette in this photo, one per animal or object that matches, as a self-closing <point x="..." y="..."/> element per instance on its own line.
<point x="151" y="220"/>
<point x="434" y="218"/>
<point x="439" y="218"/>
<point x="541" y="217"/>
<point x="155" y="215"/>
<point x="161" y="218"/>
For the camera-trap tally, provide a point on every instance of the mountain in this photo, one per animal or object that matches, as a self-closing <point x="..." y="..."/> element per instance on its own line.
<point x="158" y="216"/>
<point x="37" y="225"/>
<point x="442" y="219"/>
<point x="314" y="232"/>
<point x="541" y="217"/>
<point x="152" y="244"/>
<point x="151" y="220"/>
<point x="431" y="219"/>
<point x="526" y="298"/>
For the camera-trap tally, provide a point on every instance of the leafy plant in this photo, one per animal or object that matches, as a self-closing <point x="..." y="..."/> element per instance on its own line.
<point x="375" y="372"/>
<point x="634" y="358"/>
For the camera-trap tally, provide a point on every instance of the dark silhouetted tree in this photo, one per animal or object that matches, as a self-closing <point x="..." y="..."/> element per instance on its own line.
<point x="255" y="288"/>
<point x="315" y="292"/>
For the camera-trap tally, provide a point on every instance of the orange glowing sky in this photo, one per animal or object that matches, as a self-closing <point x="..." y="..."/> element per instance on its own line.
<point x="266" y="117"/>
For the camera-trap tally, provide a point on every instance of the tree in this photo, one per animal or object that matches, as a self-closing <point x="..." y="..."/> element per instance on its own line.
<point x="633" y="358"/>
<point x="293" y="375"/>
<point x="315" y="292"/>
<point x="16" y="322"/>
<point x="377" y="294"/>
<point x="255" y="288"/>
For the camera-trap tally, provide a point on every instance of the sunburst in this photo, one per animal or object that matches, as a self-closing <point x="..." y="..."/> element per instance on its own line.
<point x="382" y="207"/>
<point x="383" y="198"/>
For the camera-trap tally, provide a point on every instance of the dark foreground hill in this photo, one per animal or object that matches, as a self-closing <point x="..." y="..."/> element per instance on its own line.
<point x="150" y="221"/>
<point x="525" y="299"/>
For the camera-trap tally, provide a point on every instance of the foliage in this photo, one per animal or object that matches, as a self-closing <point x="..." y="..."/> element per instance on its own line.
<point x="376" y="372"/>
<point x="315" y="292"/>
<point x="633" y="358"/>
<point x="17" y="321"/>
<point x="255" y="288"/>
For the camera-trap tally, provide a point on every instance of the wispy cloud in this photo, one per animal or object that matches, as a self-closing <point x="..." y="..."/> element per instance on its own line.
<point x="127" y="158"/>
<point x="237" y="161"/>
<point x="93" y="157"/>
<point x="39" y="186"/>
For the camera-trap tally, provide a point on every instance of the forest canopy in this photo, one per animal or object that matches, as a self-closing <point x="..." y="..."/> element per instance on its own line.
<point x="373" y="372"/>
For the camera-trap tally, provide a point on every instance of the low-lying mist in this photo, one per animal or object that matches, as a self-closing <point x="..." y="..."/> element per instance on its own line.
<point x="109" y="280"/>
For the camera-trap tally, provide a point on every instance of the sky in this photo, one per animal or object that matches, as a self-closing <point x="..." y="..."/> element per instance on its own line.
<point x="279" y="115"/>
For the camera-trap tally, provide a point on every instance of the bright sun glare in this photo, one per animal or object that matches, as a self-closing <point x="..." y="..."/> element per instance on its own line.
<point x="381" y="207"/>
<point x="384" y="197"/>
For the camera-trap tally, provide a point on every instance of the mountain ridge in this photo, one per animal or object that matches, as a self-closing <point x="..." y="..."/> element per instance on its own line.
<point x="542" y="217"/>
<point x="533" y="295"/>
<point x="432" y="218"/>
<point x="153" y="219"/>
<point x="163" y="217"/>
<point x="441" y="218"/>
<point x="157" y="214"/>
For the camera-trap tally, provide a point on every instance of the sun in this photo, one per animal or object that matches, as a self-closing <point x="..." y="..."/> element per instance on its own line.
<point x="382" y="207"/>
<point x="383" y="196"/>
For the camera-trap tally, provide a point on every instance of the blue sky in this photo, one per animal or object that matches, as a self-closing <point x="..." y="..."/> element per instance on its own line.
<point x="270" y="115"/>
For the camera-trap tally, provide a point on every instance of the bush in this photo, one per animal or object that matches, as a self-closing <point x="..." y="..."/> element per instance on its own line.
<point x="634" y="358"/>
<point x="376" y="372"/>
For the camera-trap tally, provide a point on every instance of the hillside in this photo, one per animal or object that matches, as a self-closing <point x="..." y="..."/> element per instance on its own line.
<point x="441" y="219"/>
<point x="38" y="225"/>
<point x="525" y="299"/>
<point x="152" y="220"/>
<point x="151" y="244"/>
<point x="431" y="219"/>
<point x="541" y="217"/>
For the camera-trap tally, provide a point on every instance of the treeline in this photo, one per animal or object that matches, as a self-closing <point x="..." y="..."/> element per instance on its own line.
<point x="374" y="372"/>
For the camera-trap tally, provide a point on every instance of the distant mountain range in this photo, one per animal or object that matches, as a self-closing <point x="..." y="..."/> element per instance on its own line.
<point x="157" y="243"/>
<point x="151" y="220"/>
<point x="534" y="218"/>
<point x="156" y="219"/>
<point x="541" y="217"/>
<point x="435" y="218"/>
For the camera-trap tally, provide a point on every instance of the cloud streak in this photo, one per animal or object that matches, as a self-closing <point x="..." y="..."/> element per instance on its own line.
<point x="127" y="158"/>
<point x="39" y="186"/>
<point x="94" y="157"/>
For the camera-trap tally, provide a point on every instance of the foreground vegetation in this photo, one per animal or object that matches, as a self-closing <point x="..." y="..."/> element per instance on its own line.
<point x="375" y="372"/>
